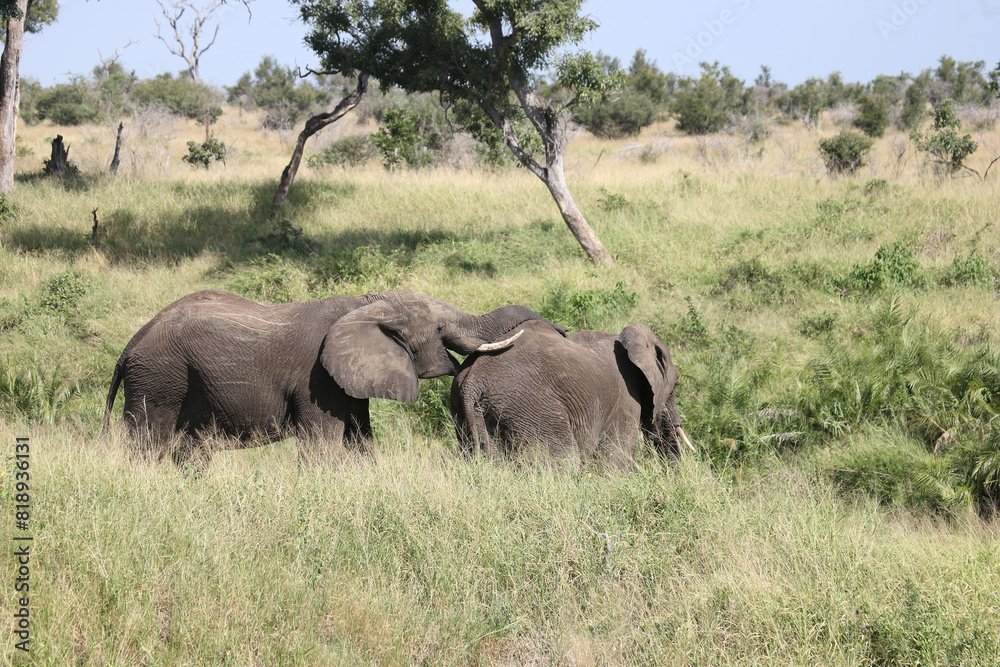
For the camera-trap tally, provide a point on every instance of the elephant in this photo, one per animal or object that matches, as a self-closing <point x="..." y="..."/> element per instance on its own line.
<point x="214" y="361"/>
<point x="587" y="395"/>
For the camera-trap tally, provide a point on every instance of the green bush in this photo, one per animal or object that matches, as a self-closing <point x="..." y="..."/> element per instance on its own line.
<point x="353" y="151"/>
<point x="846" y="152"/>
<point x="873" y="117"/>
<point x="914" y="107"/>
<point x="894" y="265"/>
<point x="588" y="309"/>
<point x="203" y="154"/>
<point x="972" y="269"/>
<point x="278" y="92"/>
<point x="624" y="116"/>
<point x="180" y="96"/>
<point x="943" y="142"/>
<point x="71" y="103"/>
<point x="400" y="140"/>
<point x="62" y="293"/>
<point x="706" y="104"/>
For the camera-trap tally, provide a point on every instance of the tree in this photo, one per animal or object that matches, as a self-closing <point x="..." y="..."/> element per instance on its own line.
<point x="40" y="14"/>
<point x="489" y="83"/>
<point x="13" y="12"/>
<point x="947" y="148"/>
<point x="173" y="13"/>
<point x="278" y="92"/>
<point x="873" y="116"/>
<point x="704" y="105"/>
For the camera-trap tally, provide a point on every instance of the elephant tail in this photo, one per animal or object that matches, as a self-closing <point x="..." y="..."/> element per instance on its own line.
<point x="116" y="381"/>
<point x="476" y="436"/>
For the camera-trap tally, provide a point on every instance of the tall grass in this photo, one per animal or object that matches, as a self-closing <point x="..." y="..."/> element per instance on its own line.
<point x="413" y="555"/>
<point x="837" y="345"/>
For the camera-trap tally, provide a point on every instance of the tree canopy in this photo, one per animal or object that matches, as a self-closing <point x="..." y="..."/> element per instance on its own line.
<point x="484" y="67"/>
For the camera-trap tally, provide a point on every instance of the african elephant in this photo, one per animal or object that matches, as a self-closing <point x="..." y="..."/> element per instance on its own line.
<point x="217" y="361"/>
<point x="587" y="394"/>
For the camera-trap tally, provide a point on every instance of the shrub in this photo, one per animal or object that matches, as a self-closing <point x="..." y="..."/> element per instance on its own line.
<point x="846" y="152"/>
<point x="71" y="103"/>
<point x="914" y="107"/>
<point x="8" y="209"/>
<point x="625" y="116"/>
<point x="706" y="104"/>
<point x="873" y="116"/>
<point x="352" y="151"/>
<point x="182" y="97"/>
<point x="399" y="140"/>
<point x="278" y="92"/>
<point x="972" y="269"/>
<point x="205" y="153"/>
<point x="588" y="309"/>
<point x="61" y="294"/>
<point x="943" y="143"/>
<point x="891" y="266"/>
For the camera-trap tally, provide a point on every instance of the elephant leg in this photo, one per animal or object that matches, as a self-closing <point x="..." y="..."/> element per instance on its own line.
<point x="619" y="445"/>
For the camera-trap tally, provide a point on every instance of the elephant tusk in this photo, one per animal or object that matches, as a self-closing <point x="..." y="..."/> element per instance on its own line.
<point x="500" y="344"/>
<point x="684" y="437"/>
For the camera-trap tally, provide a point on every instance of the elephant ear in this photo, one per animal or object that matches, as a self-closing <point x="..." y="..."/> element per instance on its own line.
<point x="651" y="356"/>
<point x="365" y="353"/>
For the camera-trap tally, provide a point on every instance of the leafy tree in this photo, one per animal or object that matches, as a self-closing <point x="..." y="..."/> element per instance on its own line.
<point x="914" y="105"/>
<point x="113" y="87"/>
<point x="706" y="104"/>
<point x="435" y="48"/>
<point x="276" y="90"/>
<point x="12" y="12"/>
<point x="399" y="140"/>
<point x="994" y="83"/>
<point x="943" y="143"/>
<point x="637" y="105"/>
<point x="873" y="116"/>
<point x="40" y="14"/>
<point x="645" y="77"/>
<point x="963" y="80"/>
<point x="805" y="101"/>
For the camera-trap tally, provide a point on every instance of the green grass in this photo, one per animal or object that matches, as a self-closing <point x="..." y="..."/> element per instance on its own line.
<point x="840" y="378"/>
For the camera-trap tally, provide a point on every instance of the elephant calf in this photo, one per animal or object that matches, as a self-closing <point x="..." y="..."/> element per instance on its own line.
<point x="587" y="394"/>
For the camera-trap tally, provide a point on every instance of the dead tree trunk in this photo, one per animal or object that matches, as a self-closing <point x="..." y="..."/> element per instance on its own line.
<point x="118" y="150"/>
<point x="57" y="163"/>
<point x="10" y="94"/>
<point x="314" y="125"/>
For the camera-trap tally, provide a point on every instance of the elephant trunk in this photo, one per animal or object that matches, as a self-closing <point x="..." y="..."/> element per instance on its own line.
<point x="472" y="331"/>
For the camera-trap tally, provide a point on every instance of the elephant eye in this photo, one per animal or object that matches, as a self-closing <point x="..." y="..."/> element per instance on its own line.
<point x="440" y="327"/>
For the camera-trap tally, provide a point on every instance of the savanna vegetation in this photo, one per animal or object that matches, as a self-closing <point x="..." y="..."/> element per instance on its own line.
<point x="835" y="327"/>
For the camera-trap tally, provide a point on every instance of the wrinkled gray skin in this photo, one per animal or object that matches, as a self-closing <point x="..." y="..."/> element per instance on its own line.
<point x="588" y="394"/>
<point x="215" y="361"/>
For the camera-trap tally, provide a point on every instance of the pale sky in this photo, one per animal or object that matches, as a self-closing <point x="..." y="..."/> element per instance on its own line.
<point x="795" y="38"/>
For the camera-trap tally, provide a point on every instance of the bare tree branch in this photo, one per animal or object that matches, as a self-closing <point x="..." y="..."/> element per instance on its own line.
<point x="191" y="52"/>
